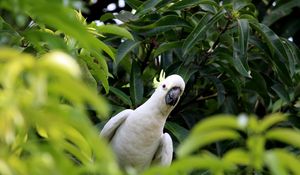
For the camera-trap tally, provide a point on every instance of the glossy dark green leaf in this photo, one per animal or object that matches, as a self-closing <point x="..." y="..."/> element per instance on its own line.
<point x="124" y="48"/>
<point x="186" y="72"/>
<point x="134" y="3"/>
<point x="238" y="5"/>
<point x="136" y="84"/>
<point x="167" y="46"/>
<point x="126" y="16"/>
<point x="147" y="6"/>
<point x="281" y="92"/>
<point x="240" y="48"/>
<point x="178" y="131"/>
<point x="163" y="24"/>
<point x="291" y="55"/>
<point x="200" y="30"/>
<point x="258" y="84"/>
<point x="278" y="52"/>
<point x="220" y="89"/>
<point x="121" y="95"/>
<point x="180" y="5"/>
<point x="280" y="11"/>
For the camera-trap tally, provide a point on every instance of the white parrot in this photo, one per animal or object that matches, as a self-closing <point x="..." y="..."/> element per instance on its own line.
<point x="137" y="137"/>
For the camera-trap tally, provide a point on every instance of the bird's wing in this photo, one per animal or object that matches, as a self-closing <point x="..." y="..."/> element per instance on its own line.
<point x="164" y="153"/>
<point x="113" y="124"/>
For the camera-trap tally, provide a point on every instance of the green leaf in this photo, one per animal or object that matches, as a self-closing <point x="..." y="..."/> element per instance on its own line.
<point x="38" y="38"/>
<point x="126" y="16"/>
<point x="270" y="120"/>
<point x="240" y="48"/>
<point x="276" y="47"/>
<point x="285" y="135"/>
<point x="147" y="6"/>
<point x="199" y="32"/>
<point x="275" y="164"/>
<point x="165" y="23"/>
<point x="125" y="48"/>
<point x="191" y="163"/>
<point x="289" y="160"/>
<point x="180" y="5"/>
<point x="256" y="146"/>
<point x="134" y="3"/>
<point x="136" y="84"/>
<point x="98" y="67"/>
<point x="178" y="131"/>
<point x="280" y="11"/>
<point x="197" y="140"/>
<point x="121" y="95"/>
<point x="291" y="52"/>
<point x="217" y="122"/>
<point x="243" y="35"/>
<point x="220" y="89"/>
<point x="166" y="46"/>
<point x="237" y="156"/>
<point x="186" y="71"/>
<point x="113" y="29"/>
<point x="68" y="24"/>
<point x="281" y="92"/>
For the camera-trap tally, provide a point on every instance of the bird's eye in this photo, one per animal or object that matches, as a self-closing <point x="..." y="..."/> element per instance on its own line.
<point x="164" y="86"/>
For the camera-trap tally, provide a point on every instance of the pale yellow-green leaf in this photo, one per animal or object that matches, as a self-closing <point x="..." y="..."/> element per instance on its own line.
<point x="271" y="120"/>
<point x="237" y="156"/>
<point x="285" y="135"/>
<point x="197" y="140"/>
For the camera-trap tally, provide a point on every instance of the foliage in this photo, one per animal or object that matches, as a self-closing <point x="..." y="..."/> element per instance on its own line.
<point x="226" y="51"/>
<point x="231" y="62"/>
<point x="254" y="152"/>
<point x="38" y="133"/>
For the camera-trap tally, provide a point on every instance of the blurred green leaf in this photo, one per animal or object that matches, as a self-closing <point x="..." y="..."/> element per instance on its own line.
<point x="68" y="24"/>
<point x="197" y="140"/>
<point x="284" y="135"/>
<point x="237" y="156"/>
<point x="217" y="122"/>
<point x="113" y="29"/>
<point x="270" y="120"/>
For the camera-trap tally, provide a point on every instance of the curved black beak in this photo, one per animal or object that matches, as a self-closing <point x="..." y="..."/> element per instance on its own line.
<point x="173" y="96"/>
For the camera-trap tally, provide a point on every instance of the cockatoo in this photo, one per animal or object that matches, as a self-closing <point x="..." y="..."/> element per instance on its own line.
<point x="137" y="137"/>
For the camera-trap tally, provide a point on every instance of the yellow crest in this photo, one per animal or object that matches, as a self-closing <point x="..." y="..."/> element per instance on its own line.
<point x="162" y="77"/>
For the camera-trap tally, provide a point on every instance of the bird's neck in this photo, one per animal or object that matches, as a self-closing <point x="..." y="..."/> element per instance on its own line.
<point x="161" y="109"/>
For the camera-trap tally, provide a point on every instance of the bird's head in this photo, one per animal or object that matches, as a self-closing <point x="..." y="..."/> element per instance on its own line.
<point x="169" y="91"/>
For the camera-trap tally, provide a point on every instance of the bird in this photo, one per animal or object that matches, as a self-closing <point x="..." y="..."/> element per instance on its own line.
<point x="136" y="136"/>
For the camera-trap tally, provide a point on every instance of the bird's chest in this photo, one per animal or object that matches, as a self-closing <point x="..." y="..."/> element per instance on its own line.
<point x="136" y="141"/>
